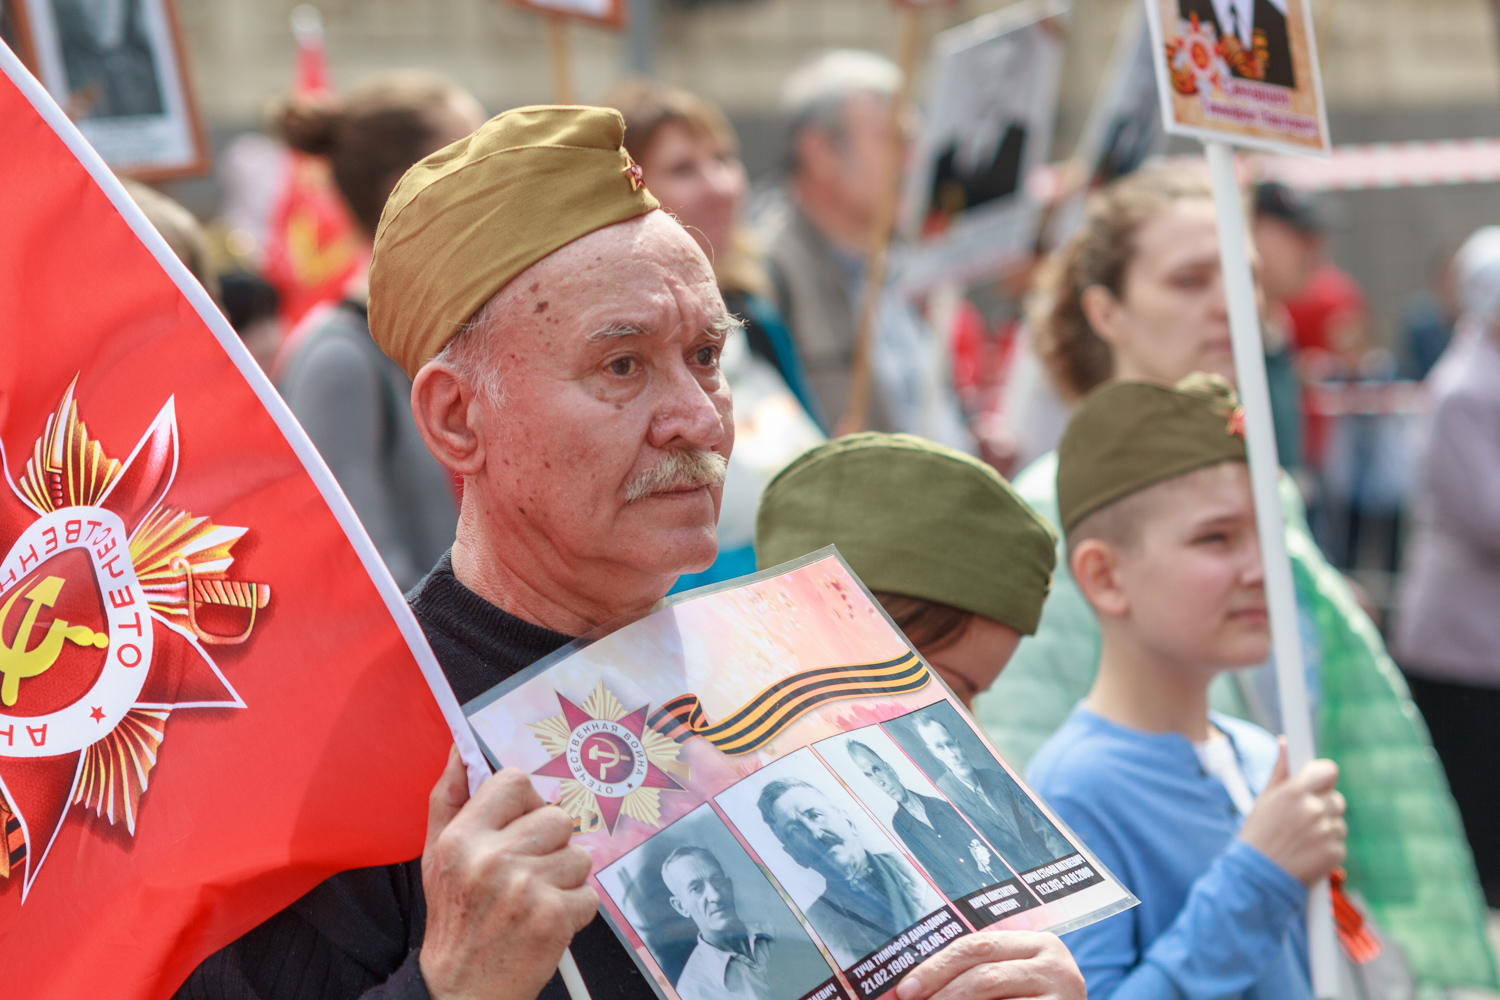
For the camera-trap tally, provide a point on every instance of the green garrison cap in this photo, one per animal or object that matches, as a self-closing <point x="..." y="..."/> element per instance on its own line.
<point x="1127" y="436"/>
<point x="915" y="518"/>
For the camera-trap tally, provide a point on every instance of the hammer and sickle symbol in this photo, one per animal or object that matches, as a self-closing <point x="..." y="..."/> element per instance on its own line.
<point x="16" y="661"/>
<point x="612" y="752"/>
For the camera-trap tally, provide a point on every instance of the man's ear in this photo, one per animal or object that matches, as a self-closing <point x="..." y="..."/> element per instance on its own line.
<point x="815" y="152"/>
<point x="677" y="905"/>
<point x="447" y="414"/>
<point x="1096" y="568"/>
<point x="1102" y="310"/>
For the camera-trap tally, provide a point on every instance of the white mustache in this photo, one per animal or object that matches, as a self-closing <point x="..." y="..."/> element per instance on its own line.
<point x="679" y="470"/>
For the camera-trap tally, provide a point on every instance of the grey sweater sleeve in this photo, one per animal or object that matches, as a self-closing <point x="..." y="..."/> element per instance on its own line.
<point x="336" y="396"/>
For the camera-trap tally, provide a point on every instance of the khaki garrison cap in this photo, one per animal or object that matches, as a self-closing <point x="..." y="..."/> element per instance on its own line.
<point x="913" y="517"/>
<point x="1127" y="436"/>
<point x="467" y="219"/>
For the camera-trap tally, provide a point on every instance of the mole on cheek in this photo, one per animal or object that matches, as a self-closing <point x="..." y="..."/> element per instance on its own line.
<point x="541" y="306"/>
<point x="534" y="286"/>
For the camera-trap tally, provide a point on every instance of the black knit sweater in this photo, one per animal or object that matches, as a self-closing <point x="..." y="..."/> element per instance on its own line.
<point x="356" y="936"/>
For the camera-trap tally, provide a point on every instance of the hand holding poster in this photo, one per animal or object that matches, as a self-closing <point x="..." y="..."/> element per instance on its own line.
<point x="779" y="799"/>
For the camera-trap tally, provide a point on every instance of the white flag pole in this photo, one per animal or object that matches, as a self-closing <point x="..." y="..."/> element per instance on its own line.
<point x="1265" y="470"/>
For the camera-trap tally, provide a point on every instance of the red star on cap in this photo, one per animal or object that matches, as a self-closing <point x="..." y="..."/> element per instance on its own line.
<point x="634" y="173"/>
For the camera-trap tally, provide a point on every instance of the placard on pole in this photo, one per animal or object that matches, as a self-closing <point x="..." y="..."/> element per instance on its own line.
<point x="610" y="13"/>
<point x="1245" y="73"/>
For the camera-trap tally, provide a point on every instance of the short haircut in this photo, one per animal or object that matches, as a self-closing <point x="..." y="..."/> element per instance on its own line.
<point x="773" y="791"/>
<point x="815" y="94"/>
<point x="1119" y="524"/>
<point x="932" y="720"/>
<point x="685" y="852"/>
<point x="854" y="745"/>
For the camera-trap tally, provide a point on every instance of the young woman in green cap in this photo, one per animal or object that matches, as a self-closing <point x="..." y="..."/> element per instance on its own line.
<point x="954" y="556"/>
<point x="1136" y="294"/>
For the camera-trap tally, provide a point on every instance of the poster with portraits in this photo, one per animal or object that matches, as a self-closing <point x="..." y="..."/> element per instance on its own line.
<point x="781" y="800"/>
<point x="116" y="67"/>
<point x="986" y="124"/>
<point x="1123" y="128"/>
<point x="1240" y="71"/>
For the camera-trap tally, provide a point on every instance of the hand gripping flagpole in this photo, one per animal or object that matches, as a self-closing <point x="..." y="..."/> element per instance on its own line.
<point x="1265" y="470"/>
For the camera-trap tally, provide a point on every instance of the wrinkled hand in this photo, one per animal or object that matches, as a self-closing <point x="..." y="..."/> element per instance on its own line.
<point x="505" y="890"/>
<point x="997" y="965"/>
<point x="1298" y="821"/>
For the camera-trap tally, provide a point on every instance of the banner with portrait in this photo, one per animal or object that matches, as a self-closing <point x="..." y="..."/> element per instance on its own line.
<point x="1240" y="71"/>
<point x="986" y="124"/>
<point x="116" y="67"/>
<point x="780" y="798"/>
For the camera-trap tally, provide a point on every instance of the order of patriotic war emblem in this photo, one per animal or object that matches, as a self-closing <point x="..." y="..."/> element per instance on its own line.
<point x="609" y="762"/>
<point x="110" y="599"/>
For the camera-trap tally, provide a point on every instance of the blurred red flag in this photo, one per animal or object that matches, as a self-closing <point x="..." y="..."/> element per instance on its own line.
<point x="313" y="246"/>
<point x="212" y="695"/>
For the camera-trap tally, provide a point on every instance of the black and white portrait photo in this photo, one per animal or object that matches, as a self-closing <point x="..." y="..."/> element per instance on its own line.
<point x="949" y="753"/>
<point x="710" y="917"/>
<point x="116" y="69"/>
<point x="856" y="888"/>
<point x="945" y="845"/>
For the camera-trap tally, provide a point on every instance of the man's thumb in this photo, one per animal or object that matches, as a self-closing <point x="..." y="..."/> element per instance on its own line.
<point x="448" y="796"/>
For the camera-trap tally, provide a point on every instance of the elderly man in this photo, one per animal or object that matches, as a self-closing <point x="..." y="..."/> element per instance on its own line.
<point x="562" y="334"/>
<point x="932" y="830"/>
<point x="869" y="898"/>
<point x="992" y="801"/>
<point x="731" y="960"/>
<point x="839" y="105"/>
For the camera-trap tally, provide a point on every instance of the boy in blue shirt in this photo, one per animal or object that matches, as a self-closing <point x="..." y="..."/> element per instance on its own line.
<point x="1193" y="811"/>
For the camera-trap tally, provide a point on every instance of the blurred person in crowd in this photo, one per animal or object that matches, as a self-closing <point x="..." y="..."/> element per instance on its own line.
<point x="1290" y="242"/>
<point x="689" y="159"/>
<point x="839" y="106"/>
<point x="352" y="400"/>
<point x="252" y="306"/>
<point x="1427" y="321"/>
<point x="1136" y="293"/>
<point x="181" y="231"/>
<point x="1447" y="630"/>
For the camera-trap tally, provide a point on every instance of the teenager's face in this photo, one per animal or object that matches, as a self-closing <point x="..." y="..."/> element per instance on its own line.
<point x="1193" y="576"/>
<point x="699" y="179"/>
<point x="1170" y="319"/>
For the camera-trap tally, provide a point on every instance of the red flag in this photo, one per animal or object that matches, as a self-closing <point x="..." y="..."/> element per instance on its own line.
<point x="212" y="695"/>
<point x="313" y="246"/>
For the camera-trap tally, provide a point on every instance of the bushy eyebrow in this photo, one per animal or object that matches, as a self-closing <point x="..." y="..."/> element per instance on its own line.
<point x="718" y="328"/>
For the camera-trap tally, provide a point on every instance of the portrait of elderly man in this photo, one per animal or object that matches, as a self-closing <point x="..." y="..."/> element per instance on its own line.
<point x="732" y="960"/>
<point x="932" y="830"/>
<point x="869" y="897"/>
<point x="562" y="334"/>
<point x="991" y="800"/>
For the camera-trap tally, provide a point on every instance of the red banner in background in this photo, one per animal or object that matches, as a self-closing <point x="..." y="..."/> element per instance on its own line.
<point x="313" y="246"/>
<point x="212" y="696"/>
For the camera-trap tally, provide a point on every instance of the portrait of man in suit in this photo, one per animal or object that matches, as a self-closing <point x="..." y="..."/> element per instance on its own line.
<point x="932" y="830"/>
<point x="869" y="897"/>
<point x="107" y="55"/>
<point x="1253" y="34"/>
<point x="991" y="800"/>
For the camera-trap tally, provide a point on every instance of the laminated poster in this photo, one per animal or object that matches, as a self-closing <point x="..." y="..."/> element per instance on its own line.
<point x="1240" y="71"/>
<point x="782" y="802"/>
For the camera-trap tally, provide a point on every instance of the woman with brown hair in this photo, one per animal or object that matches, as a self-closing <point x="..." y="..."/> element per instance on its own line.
<point x="689" y="158"/>
<point x="1136" y="293"/>
<point x="351" y="399"/>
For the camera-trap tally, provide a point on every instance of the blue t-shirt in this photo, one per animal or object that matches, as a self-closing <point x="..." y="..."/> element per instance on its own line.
<point x="1218" y="919"/>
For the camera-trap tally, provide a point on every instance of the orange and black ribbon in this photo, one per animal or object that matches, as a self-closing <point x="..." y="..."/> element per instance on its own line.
<point x="778" y="706"/>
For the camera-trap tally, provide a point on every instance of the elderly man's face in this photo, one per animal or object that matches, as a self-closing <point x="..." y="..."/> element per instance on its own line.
<point x="702" y="893"/>
<point x="816" y="833"/>
<point x="608" y="353"/>
<point x="881" y="774"/>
